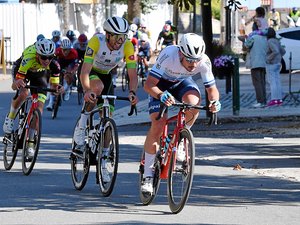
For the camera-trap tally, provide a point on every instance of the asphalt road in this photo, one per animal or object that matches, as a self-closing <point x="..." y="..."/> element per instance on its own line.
<point x="264" y="190"/>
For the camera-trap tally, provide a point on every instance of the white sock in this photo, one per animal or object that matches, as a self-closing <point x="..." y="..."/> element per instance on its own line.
<point x="51" y="100"/>
<point x="149" y="162"/>
<point x="66" y="86"/>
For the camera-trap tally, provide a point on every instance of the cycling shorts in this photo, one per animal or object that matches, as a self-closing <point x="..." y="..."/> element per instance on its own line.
<point x="108" y="87"/>
<point x="177" y="89"/>
<point x="39" y="79"/>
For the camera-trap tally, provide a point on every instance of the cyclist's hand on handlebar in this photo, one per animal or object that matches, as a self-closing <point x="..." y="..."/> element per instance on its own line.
<point x="167" y="98"/>
<point x="133" y="98"/>
<point x="18" y="84"/>
<point x="90" y="96"/>
<point x="214" y="106"/>
<point x="59" y="89"/>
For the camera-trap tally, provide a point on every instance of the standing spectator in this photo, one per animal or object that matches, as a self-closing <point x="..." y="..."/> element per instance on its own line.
<point x="274" y="19"/>
<point x="242" y="26"/>
<point x="273" y="64"/>
<point x="258" y="49"/>
<point x="294" y="16"/>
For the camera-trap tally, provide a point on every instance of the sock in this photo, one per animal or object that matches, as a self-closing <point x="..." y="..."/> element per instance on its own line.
<point x="149" y="162"/>
<point x="12" y="113"/>
<point x="66" y="86"/>
<point x="51" y="100"/>
<point x="83" y="120"/>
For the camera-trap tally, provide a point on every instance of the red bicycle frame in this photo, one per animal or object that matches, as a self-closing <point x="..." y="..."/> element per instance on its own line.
<point x="180" y="118"/>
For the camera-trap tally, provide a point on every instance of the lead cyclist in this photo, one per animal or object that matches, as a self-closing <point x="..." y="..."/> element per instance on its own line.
<point x="171" y="78"/>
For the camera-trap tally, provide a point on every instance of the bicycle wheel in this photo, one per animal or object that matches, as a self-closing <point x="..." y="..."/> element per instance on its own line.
<point x="33" y="130"/>
<point x="10" y="150"/>
<point x="180" y="175"/>
<point x="80" y="164"/>
<point x="108" y="160"/>
<point x="56" y="105"/>
<point x="147" y="198"/>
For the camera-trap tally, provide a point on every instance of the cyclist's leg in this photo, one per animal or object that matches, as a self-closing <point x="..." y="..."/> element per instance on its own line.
<point x="188" y="92"/>
<point x="96" y="86"/>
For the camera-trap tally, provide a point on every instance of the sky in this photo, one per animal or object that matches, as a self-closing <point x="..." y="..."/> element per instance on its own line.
<point x="252" y="4"/>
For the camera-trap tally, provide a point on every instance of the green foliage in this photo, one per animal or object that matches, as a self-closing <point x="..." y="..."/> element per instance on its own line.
<point x="182" y="4"/>
<point x="215" y="9"/>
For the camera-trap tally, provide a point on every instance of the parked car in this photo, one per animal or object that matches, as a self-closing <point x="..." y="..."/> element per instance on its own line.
<point x="290" y="38"/>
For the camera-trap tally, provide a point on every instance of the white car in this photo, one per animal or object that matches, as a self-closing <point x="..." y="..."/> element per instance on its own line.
<point x="290" y="39"/>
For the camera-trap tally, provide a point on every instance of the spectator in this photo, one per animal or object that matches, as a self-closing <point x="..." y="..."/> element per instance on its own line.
<point x="242" y="26"/>
<point x="294" y="15"/>
<point x="274" y="19"/>
<point x="273" y="64"/>
<point x="258" y="48"/>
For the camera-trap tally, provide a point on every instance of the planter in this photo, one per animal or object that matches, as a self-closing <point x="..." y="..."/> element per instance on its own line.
<point x="223" y="72"/>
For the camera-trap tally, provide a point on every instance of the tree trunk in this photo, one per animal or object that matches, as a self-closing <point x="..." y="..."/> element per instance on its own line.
<point x="134" y="9"/>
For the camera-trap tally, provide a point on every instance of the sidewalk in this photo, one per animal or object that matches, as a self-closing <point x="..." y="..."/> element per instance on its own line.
<point x="290" y="107"/>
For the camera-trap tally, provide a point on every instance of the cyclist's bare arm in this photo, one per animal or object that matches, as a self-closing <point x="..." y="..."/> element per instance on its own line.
<point x="133" y="82"/>
<point x="213" y="95"/>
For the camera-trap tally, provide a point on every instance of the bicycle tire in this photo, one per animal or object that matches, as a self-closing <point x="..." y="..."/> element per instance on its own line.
<point x="180" y="176"/>
<point x="111" y="157"/>
<point x="147" y="198"/>
<point x="27" y="165"/>
<point x="80" y="165"/>
<point x="56" y="105"/>
<point x="10" y="151"/>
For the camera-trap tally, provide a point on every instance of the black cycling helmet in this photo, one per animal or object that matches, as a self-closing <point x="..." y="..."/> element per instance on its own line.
<point x="70" y="34"/>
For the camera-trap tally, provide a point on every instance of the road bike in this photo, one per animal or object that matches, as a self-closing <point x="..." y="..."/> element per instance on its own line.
<point x="28" y="127"/>
<point x="125" y="79"/>
<point x="141" y="71"/>
<point x="178" y="172"/>
<point x="101" y="147"/>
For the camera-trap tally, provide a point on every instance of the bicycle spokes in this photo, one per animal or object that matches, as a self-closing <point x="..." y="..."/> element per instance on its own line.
<point x="181" y="172"/>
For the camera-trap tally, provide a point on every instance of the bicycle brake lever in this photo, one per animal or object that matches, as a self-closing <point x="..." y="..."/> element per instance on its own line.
<point x="132" y="110"/>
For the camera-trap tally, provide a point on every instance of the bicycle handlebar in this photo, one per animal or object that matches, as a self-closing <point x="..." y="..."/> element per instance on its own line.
<point x="133" y="108"/>
<point x="40" y="88"/>
<point x="163" y="107"/>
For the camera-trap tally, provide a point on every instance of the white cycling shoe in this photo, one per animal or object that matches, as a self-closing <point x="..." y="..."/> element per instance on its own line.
<point x="79" y="135"/>
<point x="147" y="185"/>
<point x="8" y="125"/>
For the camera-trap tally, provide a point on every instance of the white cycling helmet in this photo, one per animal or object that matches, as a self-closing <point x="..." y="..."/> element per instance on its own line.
<point x="56" y="33"/>
<point x="192" y="46"/>
<point x="130" y="34"/>
<point x="116" y="25"/>
<point x="66" y="43"/>
<point x="144" y="37"/>
<point x="133" y="27"/>
<point x="45" y="47"/>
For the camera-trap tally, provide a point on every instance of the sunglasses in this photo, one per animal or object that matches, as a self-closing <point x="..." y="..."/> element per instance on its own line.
<point x="43" y="57"/>
<point x="189" y="60"/>
<point x="119" y="37"/>
<point x="143" y="27"/>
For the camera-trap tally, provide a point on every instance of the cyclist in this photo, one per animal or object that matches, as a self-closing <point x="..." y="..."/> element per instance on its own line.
<point x="36" y="60"/>
<point x="103" y="53"/>
<point x="171" y="78"/>
<point x="167" y="36"/>
<point x="80" y="46"/>
<point x="144" y="51"/>
<point x="143" y="29"/>
<point x="56" y="38"/>
<point x="68" y="61"/>
<point x="72" y="36"/>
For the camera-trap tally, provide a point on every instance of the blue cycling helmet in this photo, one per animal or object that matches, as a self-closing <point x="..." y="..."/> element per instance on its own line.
<point x="39" y="37"/>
